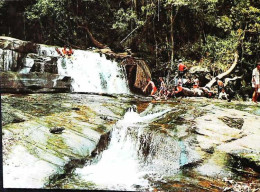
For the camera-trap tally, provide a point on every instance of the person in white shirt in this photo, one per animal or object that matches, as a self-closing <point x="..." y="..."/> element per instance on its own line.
<point x="223" y="95"/>
<point x="256" y="82"/>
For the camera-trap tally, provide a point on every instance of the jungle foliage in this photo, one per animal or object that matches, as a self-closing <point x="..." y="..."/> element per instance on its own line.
<point x="202" y="32"/>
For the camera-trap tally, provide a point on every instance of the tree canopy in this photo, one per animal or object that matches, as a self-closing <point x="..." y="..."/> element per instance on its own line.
<point x="202" y="32"/>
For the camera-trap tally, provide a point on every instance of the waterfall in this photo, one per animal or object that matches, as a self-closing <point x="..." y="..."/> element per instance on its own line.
<point x="8" y="59"/>
<point x="134" y="153"/>
<point x="90" y="72"/>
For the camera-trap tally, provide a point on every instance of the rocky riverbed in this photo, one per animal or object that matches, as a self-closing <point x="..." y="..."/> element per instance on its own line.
<point x="205" y="145"/>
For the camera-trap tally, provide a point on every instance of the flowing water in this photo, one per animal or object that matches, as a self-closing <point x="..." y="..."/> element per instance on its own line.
<point x="135" y="155"/>
<point x="138" y="155"/>
<point x="8" y="60"/>
<point x="89" y="71"/>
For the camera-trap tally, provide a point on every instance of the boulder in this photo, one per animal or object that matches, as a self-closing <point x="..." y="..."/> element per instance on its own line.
<point x="13" y="82"/>
<point x="236" y="133"/>
<point x="137" y="73"/>
<point x="45" y="64"/>
<point x="17" y="45"/>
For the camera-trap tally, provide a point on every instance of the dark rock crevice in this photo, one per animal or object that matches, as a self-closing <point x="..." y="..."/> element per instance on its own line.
<point x="70" y="167"/>
<point x="239" y="163"/>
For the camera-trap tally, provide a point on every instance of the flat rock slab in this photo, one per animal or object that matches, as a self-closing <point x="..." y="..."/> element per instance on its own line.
<point x="17" y="45"/>
<point x="32" y="154"/>
<point x="238" y="137"/>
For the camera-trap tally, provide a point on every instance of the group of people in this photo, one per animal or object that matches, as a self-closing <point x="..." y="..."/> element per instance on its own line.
<point x="65" y="52"/>
<point x="191" y="87"/>
<point x="187" y="86"/>
<point x="182" y="86"/>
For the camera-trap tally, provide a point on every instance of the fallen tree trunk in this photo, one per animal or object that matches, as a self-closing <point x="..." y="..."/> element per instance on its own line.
<point x="209" y="85"/>
<point x="94" y="41"/>
<point x="232" y="79"/>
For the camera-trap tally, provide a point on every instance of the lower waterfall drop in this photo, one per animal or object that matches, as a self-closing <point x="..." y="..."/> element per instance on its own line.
<point x="120" y="166"/>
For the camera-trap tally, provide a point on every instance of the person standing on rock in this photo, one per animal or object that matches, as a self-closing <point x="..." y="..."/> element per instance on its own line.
<point x="163" y="88"/>
<point x="256" y="82"/>
<point x="182" y="69"/>
<point x="150" y="82"/>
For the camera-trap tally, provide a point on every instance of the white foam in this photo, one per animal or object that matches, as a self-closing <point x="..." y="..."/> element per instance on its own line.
<point x="23" y="170"/>
<point x="91" y="72"/>
<point x="119" y="166"/>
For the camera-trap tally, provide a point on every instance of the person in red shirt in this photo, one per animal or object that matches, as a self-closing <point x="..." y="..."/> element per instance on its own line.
<point x="64" y="50"/>
<point x="70" y="51"/>
<point x="182" y="69"/>
<point x="177" y="90"/>
<point x="154" y="89"/>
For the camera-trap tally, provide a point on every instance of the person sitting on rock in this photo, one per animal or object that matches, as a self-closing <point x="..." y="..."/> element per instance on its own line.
<point x="178" y="89"/>
<point x="223" y="95"/>
<point x="196" y="88"/>
<point x="64" y="50"/>
<point x="196" y="83"/>
<point x="150" y="82"/>
<point x="70" y="51"/>
<point x="188" y="83"/>
<point x="207" y="92"/>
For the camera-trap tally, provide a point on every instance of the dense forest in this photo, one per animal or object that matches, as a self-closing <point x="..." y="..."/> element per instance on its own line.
<point x="204" y="33"/>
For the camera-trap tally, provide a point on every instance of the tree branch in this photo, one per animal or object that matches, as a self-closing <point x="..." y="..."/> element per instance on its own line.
<point x="209" y="85"/>
<point x="94" y="41"/>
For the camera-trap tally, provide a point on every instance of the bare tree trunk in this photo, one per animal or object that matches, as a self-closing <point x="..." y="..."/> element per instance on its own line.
<point x="172" y="36"/>
<point x="94" y="41"/>
<point x="209" y="85"/>
<point x="172" y="19"/>
<point x="156" y="46"/>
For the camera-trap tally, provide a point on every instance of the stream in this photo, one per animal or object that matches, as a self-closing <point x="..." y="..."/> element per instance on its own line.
<point x="122" y="142"/>
<point x="100" y="136"/>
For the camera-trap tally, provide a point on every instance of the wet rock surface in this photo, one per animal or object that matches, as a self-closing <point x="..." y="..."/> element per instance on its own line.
<point x="81" y="131"/>
<point x="33" y="68"/>
<point x="216" y="144"/>
<point x="17" y="45"/>
<point x="14" y="82"/>
<point x="233" y="122"/>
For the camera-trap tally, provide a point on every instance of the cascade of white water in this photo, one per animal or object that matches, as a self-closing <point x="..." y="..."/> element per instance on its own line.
<point x="28" y="63"/>
<point x="121" y="167"/>
<point x="44" y="50"/>
<point x="90" y="72"/>
<point x="8" y="59"/>
<point x="118" y="165"/>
